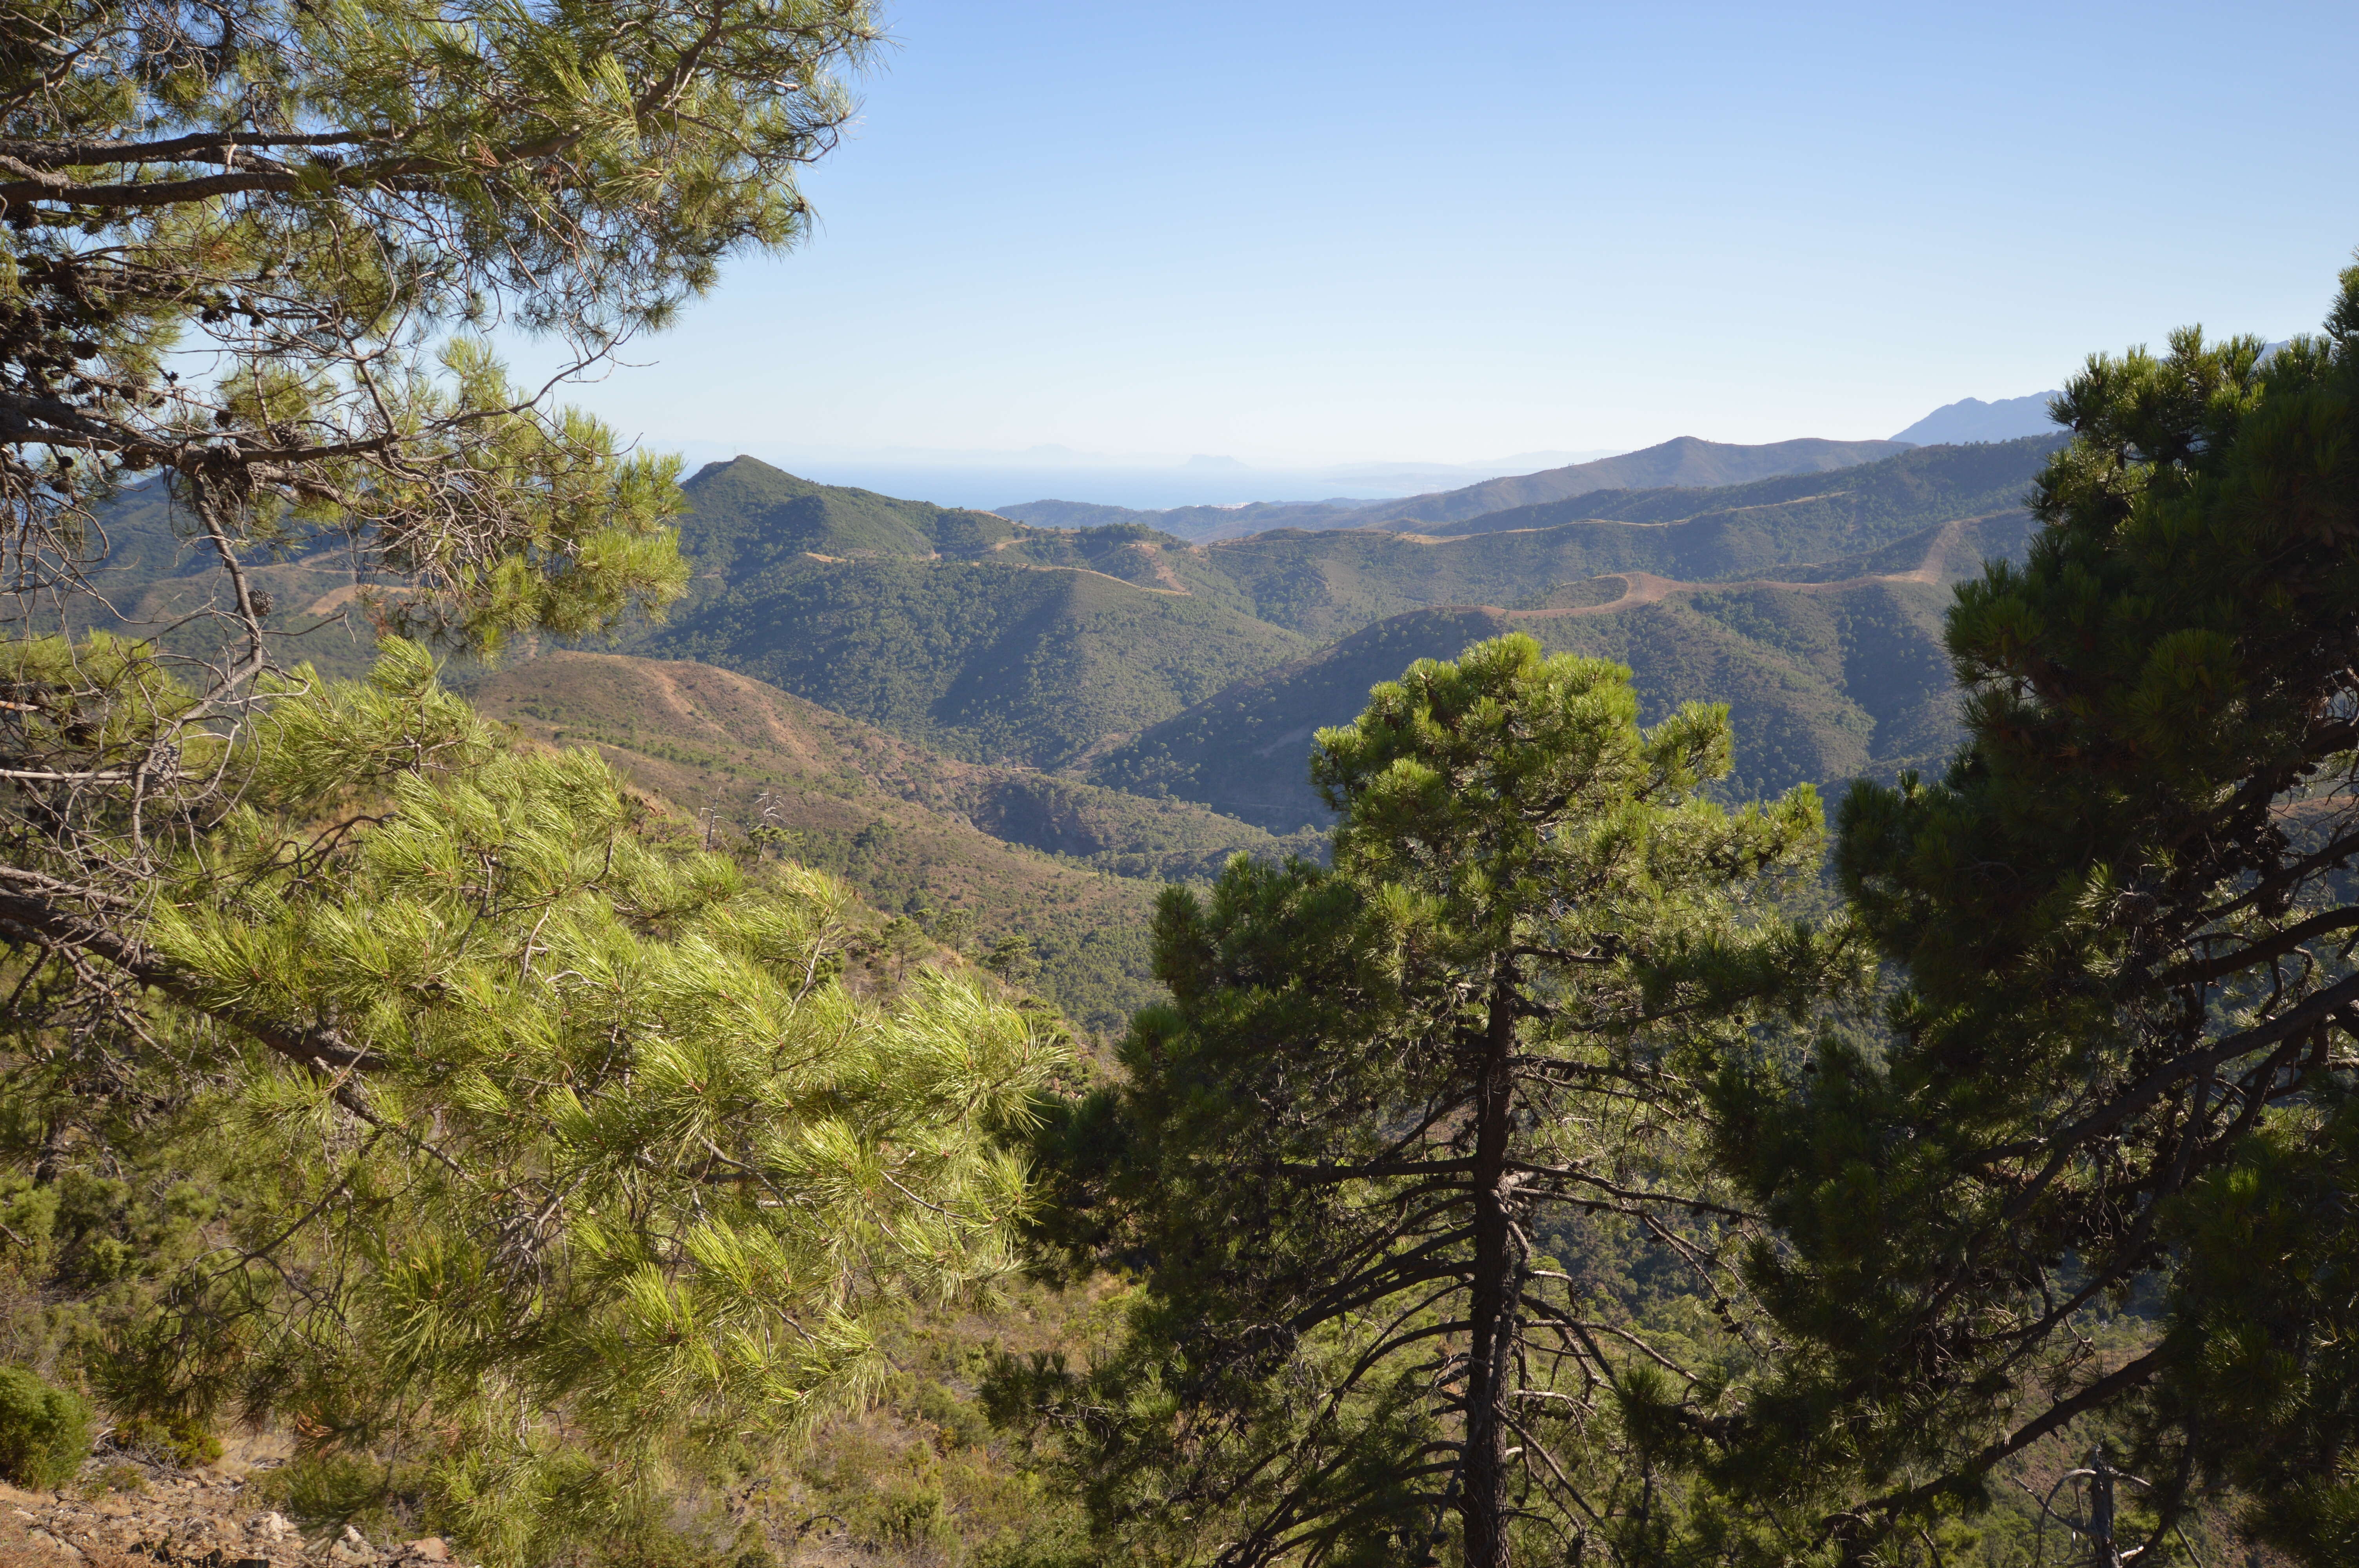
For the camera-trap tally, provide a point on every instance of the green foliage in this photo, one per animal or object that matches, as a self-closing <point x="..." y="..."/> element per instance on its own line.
<point x="549" y="1136"/>
<point x="336" y="205"/>
<point x="361" y="1072"/>
<point x="1331" y="1155"/>
<point x="44" y="1430"/>
<point x="905" y="827"/>
<point x="2110" y="1087"/>
<point x="2263" y="1320"/>
<point x="179" y="1438"/>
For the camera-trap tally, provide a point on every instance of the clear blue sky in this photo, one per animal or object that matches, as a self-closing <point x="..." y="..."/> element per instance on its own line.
<point x="1309" y="231"/>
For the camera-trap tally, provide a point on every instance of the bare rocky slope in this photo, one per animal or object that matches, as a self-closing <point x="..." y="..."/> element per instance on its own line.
<point x="121" y="1514"/>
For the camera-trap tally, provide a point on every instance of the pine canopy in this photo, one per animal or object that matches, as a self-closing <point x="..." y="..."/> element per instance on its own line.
<point x="541" y="1130"/>
<point x="2120" y="1069"/>
<point x="1385" y="1099"/>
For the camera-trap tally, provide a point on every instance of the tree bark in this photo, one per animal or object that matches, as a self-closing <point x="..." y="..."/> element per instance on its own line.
<point x="1484" y="1502"/>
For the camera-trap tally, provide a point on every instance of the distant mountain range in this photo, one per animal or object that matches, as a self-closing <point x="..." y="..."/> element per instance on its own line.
<point x="992" y="479"/>
<point x="1213" y="484"/>
<point x="936" y="698"/>
<point x="1074" y="648"/>
<point x="1830" y="671"/>
<point x="1971" y="420"/>
<point x="1684" y="463"/>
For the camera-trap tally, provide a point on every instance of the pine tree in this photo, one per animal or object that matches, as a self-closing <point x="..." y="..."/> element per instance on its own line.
<point x="1340" y="1156"/>
<point x="254" y="251"/>
<point x="253" y="247"/>
<point x="536" y="1130"/>
<point x="509" y="1120"/>
<point x="2119" y="1074"/>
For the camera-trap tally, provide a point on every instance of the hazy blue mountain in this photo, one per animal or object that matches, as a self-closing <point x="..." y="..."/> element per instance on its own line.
<point x="1685" y="462"/>
<point x="1919" y="486"/>
<point x="1682" y="463"/>
<point x="1200" y="524"/>
<point x="1971" y="420"/>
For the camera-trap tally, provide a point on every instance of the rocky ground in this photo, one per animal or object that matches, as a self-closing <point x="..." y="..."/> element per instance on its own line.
<point x="118" y="1516"/>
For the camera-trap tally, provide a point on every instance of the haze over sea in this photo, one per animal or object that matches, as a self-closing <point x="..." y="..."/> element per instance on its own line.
<point x="989" y="480"/>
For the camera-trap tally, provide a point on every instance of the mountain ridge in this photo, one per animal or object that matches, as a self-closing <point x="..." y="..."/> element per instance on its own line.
<point x="993" y="639"/>
<point x="1971" y="420"/>
<point x="1831" y="670"/>
<point x="1684" y="461"/>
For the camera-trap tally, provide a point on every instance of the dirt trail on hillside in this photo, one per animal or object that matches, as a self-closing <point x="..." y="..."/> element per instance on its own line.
<point x="1645" y="588"/>
<point x="1637" y="588"/>
<point x="1092" y="571"/>
<point x="1162" y="568"/>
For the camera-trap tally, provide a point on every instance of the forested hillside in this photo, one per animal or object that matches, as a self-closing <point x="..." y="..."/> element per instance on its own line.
<point x="1831" y="670"/>
<point x="993" y="639"/>
<point x="1150" y="670"/>
<point x="1823" y="682"/>
<point x="980" y="659"/>
<point x="1150" y="678"/>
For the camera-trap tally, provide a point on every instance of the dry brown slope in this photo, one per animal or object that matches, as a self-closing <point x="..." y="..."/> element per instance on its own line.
<point x="909" y="829"/>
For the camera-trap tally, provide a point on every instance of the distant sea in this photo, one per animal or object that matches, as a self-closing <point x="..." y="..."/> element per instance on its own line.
<point x="1202" y="482"/>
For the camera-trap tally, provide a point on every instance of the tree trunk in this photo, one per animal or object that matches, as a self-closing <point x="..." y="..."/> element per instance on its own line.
<point x="1484" y="1505"/>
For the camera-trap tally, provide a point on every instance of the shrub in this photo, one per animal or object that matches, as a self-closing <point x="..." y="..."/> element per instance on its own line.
<point x="125" y="1478"/>
<point x="44" y="1430"/>
<point x="182" y="1439"/>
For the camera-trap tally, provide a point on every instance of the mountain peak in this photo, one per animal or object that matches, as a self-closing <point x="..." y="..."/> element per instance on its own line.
<point x="1683" y="462"/>
<point x="1971" y="420"/>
